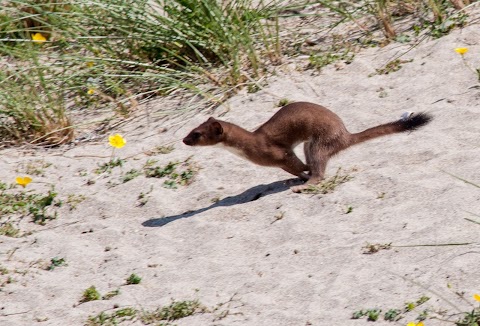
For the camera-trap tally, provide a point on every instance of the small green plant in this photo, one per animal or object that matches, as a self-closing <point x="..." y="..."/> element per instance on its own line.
<point x="133" y="279"/>
<point x="3" y="270"/>
<point x="82" y="172"/>
<point x="349" y="209"/>
<point x="422" y="300"/>
<point x="158" y="171"/>
<point x="318" y="61"/>
<point x="56" y="262"/>
<point x="253" y="88"/>
<point x="9" y="280"/>
<point x="392" y="66"/>
<point x="143" y="197"/>
<point x="116" y="317"/>
<point x="73" y="200"/>
<point x="90" y="294"/>
<point x="130" y="175"/>
<point x="328" y="185"/>
<point x="161" y="150"/>
<point x="283" y="102"/>
<point x="423" y="315"/>
<point x="7" y="229"/>
<point x="409" y="306"/>
<point x="393" y="315"/>
<point x="359" y="314"/>
<point x="176" y="310"/>
<point x="371" y="314"/>
<point x="178" y="173"/>
<point x="111" y="294"/>
<point x="108" y="166"/>
<point x="38" y="208"/>
<point x="186" y="176"/>
<point x="170" y="184"/>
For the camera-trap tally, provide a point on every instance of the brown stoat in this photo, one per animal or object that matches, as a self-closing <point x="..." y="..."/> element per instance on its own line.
<point x="322" y="132"/>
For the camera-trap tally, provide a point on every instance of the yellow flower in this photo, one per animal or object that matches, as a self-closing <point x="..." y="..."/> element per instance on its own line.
<point x="91" y="91"/>
<point x="461" y="51"/>
<point x="412" y="323"/>
<point x="23" y="181"/>
<point x="476" y="297"/>
<point x="38" y="38"/>
<point x="117" y="141"/>
<point x="89" y="64"/>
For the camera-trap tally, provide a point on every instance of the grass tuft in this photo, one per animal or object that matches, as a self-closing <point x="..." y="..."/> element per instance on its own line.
<point x="7" y="229"/>
<point x="176" y="310"/>
<point x="90" y="294"/>
<point x="116" y="317"/>
<point x="328" y="185"/>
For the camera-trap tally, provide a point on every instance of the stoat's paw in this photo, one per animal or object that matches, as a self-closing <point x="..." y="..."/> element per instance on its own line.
<point x="299" y="188"/>
<point x="304" y="176"/>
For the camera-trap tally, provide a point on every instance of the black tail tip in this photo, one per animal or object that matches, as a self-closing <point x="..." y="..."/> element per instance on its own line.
<point x="416" y="121"/>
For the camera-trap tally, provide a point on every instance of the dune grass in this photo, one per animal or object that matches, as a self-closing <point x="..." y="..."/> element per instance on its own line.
<point x="113" y="53"/>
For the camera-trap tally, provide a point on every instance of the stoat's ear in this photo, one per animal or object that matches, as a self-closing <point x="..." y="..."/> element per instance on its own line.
<point x="211" y="119"/>
<point x="217" y="127"/>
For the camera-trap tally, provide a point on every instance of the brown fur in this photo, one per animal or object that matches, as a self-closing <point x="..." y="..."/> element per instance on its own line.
<point x="322" y="132"/>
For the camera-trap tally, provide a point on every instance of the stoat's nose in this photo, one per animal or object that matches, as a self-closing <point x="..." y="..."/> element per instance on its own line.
<point x="187" y="141"/>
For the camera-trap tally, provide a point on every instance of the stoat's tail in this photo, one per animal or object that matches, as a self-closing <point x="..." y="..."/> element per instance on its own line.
<point x="411" y="123"/>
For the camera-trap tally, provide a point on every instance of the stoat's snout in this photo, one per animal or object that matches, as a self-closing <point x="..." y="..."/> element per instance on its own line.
<point x="187" y="141"/>
<point x="192" y="139"/>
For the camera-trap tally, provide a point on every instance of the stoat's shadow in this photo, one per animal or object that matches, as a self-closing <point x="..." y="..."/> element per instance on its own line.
<point x="245" y="197"/>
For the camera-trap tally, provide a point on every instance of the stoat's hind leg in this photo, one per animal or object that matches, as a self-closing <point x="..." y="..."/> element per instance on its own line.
<point x="317" y="157"/>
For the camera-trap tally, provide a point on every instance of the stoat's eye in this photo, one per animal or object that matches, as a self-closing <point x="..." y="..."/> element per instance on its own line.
<point x="196" y="135"/>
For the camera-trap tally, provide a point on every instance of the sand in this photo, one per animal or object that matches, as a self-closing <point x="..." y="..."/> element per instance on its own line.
<point x="238" y="240"/>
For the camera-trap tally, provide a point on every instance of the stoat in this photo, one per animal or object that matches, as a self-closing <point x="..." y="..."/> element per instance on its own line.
<point x="322" y="132"/>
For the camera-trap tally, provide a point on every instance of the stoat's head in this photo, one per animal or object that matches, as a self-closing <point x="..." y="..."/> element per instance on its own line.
<point x="208" y="133"/>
